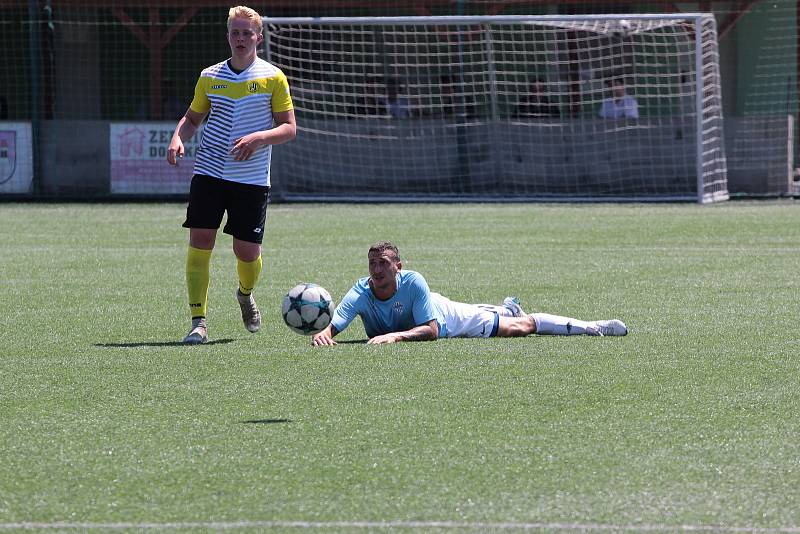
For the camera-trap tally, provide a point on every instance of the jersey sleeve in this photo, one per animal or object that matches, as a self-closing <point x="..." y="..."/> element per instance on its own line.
<point x="422" y="307"/>
<point x="346" y="311"/>
<point x="200" y="102"/>
<point x="281" y="97"/>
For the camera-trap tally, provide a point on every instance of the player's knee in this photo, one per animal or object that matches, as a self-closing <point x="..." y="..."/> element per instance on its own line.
<point x="246" y="251"/>
<point x="516" y="326"/>
<point x="202" y="238"/>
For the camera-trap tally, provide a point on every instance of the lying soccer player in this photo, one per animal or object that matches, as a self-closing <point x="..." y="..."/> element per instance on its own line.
<point x="397" y="305"/>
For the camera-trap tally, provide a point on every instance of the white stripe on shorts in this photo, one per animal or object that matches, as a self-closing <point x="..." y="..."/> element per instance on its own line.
<point x="466" y="320"/>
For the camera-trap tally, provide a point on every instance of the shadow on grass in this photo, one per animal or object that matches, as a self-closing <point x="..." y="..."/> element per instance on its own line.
<point x="160" y="344"/>
<point x="266" y="421"/>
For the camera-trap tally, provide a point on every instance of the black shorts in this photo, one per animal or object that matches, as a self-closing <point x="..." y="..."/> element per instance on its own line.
<point x="210" y="198"/>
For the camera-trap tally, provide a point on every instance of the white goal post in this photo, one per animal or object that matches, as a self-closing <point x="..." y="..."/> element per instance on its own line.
<point x="501" y="108"/>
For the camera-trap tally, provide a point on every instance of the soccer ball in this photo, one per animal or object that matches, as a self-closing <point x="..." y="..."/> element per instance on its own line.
<point x="307" y="308"/>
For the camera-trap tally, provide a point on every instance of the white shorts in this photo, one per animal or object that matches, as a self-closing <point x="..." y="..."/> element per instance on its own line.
<point x="466" y="320"/>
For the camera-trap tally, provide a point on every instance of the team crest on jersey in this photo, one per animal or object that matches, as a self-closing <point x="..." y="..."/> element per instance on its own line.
<point x="253" y="87"/>
<point x="397" y="307"/>
<point x="8" y="154"/>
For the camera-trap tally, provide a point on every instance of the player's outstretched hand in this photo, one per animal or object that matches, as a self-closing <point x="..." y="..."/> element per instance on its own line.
<point x="322" y="339"/>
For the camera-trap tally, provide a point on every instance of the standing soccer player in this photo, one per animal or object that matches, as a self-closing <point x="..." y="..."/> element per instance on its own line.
<point x="249" y="109"/>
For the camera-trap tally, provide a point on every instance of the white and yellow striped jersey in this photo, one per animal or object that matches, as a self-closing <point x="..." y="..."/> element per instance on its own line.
<point x="239" y="104"/>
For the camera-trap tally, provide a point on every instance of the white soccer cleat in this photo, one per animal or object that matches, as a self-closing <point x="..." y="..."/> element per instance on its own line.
<point x="198" y="334"/>
<point x="251" y="317"/>
<point x="613" y="327"/>
<point x="512" y="303"/>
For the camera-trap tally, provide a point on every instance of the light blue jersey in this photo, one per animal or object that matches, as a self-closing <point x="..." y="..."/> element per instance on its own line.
<point x="410" y="306"/>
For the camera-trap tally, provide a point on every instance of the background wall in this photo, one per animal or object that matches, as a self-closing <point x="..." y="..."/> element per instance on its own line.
<point x="77" y="66"/>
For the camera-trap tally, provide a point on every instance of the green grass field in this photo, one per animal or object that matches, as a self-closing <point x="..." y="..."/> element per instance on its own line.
<point x="691" y="422"/>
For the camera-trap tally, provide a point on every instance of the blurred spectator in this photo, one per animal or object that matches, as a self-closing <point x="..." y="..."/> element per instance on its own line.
<point x="172" y="107"/>
<point x="620" y="104"/>
<point x="536" y="103"/>
<point x="394" y="105"/>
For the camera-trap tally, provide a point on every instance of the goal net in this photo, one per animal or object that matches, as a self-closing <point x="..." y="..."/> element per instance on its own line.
<point x="555" y="107"/>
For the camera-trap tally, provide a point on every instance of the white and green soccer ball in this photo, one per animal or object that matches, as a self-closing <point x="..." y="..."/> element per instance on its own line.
<point x="307" y="308"/>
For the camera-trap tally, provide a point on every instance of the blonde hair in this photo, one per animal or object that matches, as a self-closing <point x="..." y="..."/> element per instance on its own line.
<point x="244" y="12"/>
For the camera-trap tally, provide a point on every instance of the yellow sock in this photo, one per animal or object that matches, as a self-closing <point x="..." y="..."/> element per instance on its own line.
<point x="248" y="274"/>
<point x="198" y="276"/>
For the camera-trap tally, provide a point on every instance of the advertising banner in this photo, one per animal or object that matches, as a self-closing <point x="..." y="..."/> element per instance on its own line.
<point x="139" y="159"/>
<point x="16" y="158"/>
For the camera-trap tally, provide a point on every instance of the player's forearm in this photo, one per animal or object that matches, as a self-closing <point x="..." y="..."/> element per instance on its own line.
<point x="418" y="333"/>
<point x="185" y="129"/>
<point x="278" y="135"/>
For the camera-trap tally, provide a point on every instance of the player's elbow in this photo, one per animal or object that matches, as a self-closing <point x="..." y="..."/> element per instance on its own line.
<point x="288" y="131"/>
<point x="287" y="124"/>
<point x="194" y="119"/>
<point x="434" y="330"/>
